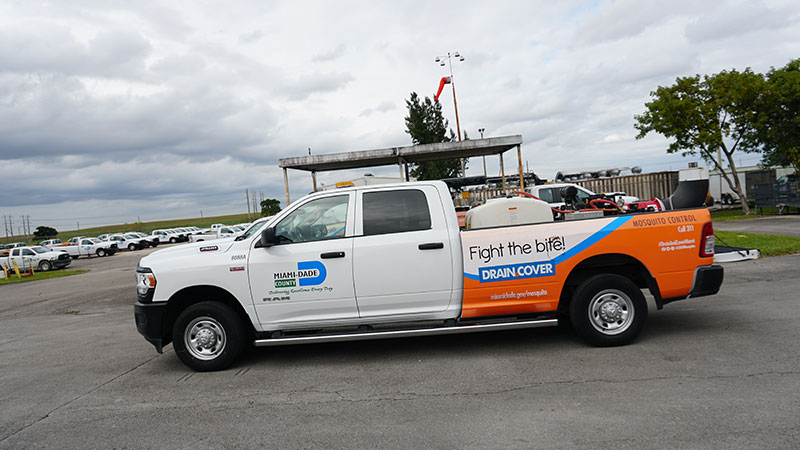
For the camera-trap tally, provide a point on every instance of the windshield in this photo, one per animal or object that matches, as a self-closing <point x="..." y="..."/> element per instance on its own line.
<point x="131" y="236"/>
<point x="254" y="229"/>
<point x="96" y="241"/>
<point x="39" y="249"/>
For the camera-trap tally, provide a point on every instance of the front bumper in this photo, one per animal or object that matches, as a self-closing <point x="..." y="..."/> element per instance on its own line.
<point x="61" y="263"/>
<point x="149" y="320"/>
<point x="707" y="281"/>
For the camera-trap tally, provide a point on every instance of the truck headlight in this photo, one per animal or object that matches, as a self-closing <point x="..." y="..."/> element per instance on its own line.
<point x="145" y="284"/>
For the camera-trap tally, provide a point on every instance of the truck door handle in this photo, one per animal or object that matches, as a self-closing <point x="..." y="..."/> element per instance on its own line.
<point x="431" y="246"/>
<point x="330" y="255"/>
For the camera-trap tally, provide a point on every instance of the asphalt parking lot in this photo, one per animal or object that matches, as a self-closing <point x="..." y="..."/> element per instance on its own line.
<point x="787" y="225"/>
<point x="713" y="372"/>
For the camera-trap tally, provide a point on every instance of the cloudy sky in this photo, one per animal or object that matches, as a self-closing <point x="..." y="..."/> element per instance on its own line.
<point x="113" y="110"/>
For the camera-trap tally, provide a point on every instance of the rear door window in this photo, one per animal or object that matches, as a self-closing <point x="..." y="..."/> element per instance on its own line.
<point x="395" y="212"/>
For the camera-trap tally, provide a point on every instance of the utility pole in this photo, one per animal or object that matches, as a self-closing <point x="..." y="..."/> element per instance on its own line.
<point x="8" y="224"/>
<point x="247" y="195"/>
<point x="441" y="60"/>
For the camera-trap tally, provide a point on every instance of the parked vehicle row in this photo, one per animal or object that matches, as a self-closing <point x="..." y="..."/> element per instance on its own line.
<point x="107" y="244"/>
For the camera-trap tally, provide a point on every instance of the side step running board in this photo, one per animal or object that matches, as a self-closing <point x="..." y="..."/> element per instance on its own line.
<point x="405" y="333"/>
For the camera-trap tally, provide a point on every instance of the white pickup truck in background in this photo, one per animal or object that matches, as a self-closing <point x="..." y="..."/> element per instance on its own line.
<point x="213" y="234"/>
<point x="552" y="194"/>
<point x="386" y="261"/>
<point x="128" y="240"/>
<point x="169" y="235"/>
<point x="41" y="258"/>
<point x="87" y="246"/>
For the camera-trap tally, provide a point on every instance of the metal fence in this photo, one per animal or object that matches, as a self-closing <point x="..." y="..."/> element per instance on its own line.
<point x="777" y="194"/>
<point x="645" y="186"/>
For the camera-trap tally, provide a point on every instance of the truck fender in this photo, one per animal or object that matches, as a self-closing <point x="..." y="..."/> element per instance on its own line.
<point x="611" y="263"/>
<point x="191" y="295"/>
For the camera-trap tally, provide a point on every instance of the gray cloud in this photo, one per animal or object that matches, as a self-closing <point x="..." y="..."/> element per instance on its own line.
<point x="382" y="107"/>
<point x="734" y="22"/>
<point x="331" y="55"/>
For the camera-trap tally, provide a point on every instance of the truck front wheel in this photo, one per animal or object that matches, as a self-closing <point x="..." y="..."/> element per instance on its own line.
<point x="45" y="266"/>
<point x="208" y="336"/>
<point x="101" y="252"/>
<point x="608" y="310"/>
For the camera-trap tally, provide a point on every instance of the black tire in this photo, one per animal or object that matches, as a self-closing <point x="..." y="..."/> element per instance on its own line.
<point x="132" y="247"/>
<point x="45" y="266"/>
<point x="172" y="240"/>
<point x="101" y="252"/>
<point x="608" y="310"/>
<point x="223" y="340"/>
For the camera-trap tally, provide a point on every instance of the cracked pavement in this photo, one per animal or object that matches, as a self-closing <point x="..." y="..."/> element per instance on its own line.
<point x="712" y="372"/>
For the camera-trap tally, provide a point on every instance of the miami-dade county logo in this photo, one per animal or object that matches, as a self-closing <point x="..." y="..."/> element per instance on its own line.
<point x="308" y="273"/>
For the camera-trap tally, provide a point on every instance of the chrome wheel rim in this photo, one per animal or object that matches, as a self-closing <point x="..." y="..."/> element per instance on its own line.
<point x="205" y="338"/>
<point x="611" y="312"/>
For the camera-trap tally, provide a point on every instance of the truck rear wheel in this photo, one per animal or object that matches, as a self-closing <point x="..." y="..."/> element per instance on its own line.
<point x="208" y="336"/>
<point x="608" y="310"/>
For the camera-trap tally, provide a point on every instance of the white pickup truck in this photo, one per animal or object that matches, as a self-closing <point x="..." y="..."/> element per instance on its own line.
<point x="87" y="246"/>
<point x="40" y="258"/>
<point x="130" y="241"/>
<point x="552" y="194"/>
<point x="213" y="234"/>
<point x="390" y="261"/>
<point x="169" y="235"/>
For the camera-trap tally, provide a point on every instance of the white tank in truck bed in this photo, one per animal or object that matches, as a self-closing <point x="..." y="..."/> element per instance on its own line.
<point x="509" y="211"/>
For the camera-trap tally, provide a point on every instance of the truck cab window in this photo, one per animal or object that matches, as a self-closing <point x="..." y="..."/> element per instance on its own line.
<point x="546" y="195"/>
<point x="323" y="218"/>
<point x="395" y="212"/>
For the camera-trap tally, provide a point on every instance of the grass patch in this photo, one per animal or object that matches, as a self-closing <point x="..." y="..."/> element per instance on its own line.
<point x="42" y="276"/>
<point x="767" y="244"/>
<point x="725" y="215"/>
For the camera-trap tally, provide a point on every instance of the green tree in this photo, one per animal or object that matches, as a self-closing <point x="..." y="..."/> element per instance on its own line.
<point x="270" y="207"/>
<point x="43" y="232"/>
<point x="715" y="116"/>
<point x="426" y="125"/>
<point x="780" y="120"/>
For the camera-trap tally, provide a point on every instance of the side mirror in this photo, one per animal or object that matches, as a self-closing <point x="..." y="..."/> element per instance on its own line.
<point x="267" y="237"/>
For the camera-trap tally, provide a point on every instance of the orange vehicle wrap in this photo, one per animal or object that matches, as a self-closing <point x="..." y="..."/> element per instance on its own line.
<point x="522" y="269"/>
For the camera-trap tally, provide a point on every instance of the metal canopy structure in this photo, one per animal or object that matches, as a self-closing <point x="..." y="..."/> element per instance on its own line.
<point x="402" y="156"/>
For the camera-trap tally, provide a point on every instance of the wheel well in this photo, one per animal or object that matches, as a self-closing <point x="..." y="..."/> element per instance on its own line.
<point x="615" y="263"/>
<point x="189" y="296"/>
